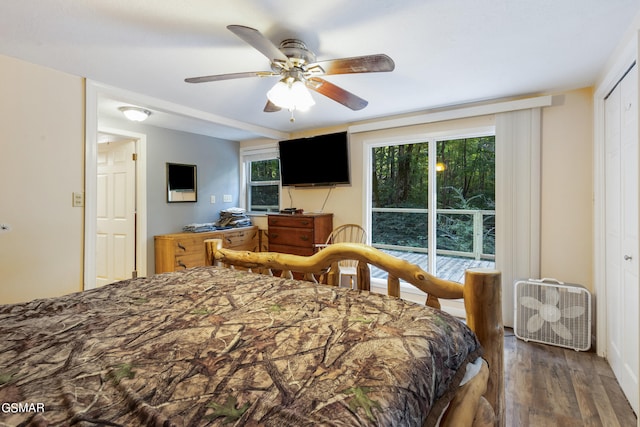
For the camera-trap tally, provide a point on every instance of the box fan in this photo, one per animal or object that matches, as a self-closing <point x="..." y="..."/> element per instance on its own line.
<point x="552" y="312"/>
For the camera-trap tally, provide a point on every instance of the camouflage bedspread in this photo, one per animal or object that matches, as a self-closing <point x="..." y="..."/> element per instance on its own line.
<point x="211" y="346"/>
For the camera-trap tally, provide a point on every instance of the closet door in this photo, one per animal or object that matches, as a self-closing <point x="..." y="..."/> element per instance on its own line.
<point x="622" y="247"/>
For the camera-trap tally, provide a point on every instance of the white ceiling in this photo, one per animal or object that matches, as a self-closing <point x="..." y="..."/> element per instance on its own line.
<point x="446" y="52"/>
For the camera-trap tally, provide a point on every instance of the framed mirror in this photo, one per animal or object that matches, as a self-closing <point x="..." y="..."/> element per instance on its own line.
<point x="182" y="183"/>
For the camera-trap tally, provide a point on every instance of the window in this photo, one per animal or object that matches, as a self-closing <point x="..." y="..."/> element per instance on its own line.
<point x="263" y="193"/>
<point x="465" y="193"/>
<point x="262" y="180"/>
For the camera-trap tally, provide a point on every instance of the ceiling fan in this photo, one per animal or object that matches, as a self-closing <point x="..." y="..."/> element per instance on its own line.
<point x="297" y="68"/>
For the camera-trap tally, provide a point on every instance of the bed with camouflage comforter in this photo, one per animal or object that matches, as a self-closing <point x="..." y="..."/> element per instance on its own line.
<point x="215" y="346"/>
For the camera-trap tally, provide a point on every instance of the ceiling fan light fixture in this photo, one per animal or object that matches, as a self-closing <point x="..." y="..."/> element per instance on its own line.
<point x="302" y="99"/>
<point x="135" y="114"/>
<point x="279" y="95"/>
<point x="291" y="95"/>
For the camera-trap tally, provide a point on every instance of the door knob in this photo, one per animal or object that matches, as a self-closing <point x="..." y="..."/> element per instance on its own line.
<point x="628" y="258"/>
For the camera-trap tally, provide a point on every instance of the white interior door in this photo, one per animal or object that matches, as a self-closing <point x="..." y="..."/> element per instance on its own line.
<point x="621" y="229"/>
<point x="116" y="222"/>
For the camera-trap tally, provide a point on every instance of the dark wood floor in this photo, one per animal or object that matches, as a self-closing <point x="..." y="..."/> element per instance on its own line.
<point x="546" y="385"/>
<point x="552" y="386"/>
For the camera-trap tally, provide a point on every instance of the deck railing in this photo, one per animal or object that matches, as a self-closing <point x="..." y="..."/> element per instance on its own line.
<point x="479" y="234"/>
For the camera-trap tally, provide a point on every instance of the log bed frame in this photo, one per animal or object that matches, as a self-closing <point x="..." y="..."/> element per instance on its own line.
<point x="480" y="402"/>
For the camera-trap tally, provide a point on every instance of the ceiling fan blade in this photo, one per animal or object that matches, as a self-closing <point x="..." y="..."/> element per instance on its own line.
<point x="359" y="64"/>
<point x="230" y="76"/>
<point x="271" y="107"/>
<point x="259" y="42"/>
<point x="336" y="93"/>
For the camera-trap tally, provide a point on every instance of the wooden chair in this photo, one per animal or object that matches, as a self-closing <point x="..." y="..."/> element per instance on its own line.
<point x="347" y="233"/>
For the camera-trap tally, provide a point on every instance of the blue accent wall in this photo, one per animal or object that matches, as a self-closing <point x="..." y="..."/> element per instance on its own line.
<point x="217" y="162"/>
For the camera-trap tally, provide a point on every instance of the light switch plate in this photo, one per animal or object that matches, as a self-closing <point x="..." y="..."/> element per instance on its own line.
<point x="227" y="198"/>
<point x="78" y="200"/>
<point x="213" y="199"/>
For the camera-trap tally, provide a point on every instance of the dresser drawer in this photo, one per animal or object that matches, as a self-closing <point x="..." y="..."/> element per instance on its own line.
<point x="290" y="221"/>
<point x="294" y="250"/>
<point x="188" y="245"/>
<point x="290" y="237"/>
<point x="241" y="240"/>
<point x="188" y="261"/>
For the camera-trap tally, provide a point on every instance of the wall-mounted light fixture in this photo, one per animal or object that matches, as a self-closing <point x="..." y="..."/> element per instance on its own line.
<point x="135" y="114"/>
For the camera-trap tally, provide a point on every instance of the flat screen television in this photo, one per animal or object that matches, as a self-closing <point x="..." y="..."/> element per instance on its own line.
<point x="181" y="177"/>
<point x="316" y="161"/>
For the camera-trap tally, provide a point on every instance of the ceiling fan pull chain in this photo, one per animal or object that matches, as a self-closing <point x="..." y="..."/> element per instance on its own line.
<point x="292" y="119"/>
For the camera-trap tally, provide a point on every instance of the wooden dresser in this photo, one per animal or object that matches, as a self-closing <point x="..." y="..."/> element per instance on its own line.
<point x="297" y="234"/>
<point x="183" y="250"/>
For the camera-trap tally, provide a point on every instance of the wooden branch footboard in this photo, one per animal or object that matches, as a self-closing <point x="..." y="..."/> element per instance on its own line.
<point x="479" y="402"/>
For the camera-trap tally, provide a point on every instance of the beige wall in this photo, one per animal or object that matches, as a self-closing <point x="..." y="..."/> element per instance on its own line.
<point x="41" y="165"/>
<point x="567" y="190"/>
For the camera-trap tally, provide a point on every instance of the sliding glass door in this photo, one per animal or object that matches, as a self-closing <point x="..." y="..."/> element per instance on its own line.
<point x="455" y="178"/>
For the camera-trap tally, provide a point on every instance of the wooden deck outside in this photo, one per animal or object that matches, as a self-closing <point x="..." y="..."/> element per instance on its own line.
<point x="450" y="268"/>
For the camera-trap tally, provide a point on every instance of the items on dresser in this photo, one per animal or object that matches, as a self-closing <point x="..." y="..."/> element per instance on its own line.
<point x="184" y="250"/>
<point x="199" y="228"/>
<point x="298" y="234"/>
<point x="233" y="217"/>
<point x="291" y="211"/>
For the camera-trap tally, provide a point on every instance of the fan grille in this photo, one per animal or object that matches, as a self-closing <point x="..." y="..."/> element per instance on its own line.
<point x="553" y="314"/>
